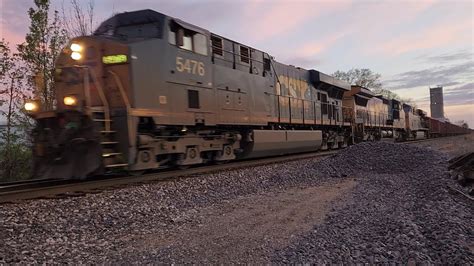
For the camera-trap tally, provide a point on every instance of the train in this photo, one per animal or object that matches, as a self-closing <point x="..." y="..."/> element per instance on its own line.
<point x="150" y="91"/>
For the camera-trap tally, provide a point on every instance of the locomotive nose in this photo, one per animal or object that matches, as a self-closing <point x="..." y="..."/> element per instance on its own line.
<point x="69" y="140"/>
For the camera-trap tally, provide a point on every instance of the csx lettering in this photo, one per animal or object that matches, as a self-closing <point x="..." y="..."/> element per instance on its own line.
<point x="191" y="66"/>
<point x="296" y="87"/>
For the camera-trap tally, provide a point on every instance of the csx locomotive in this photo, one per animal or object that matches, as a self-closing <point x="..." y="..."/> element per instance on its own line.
<point x="148" y="91"/>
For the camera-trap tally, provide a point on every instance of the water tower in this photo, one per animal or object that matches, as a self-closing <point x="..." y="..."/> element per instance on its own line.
<point x="436" y="102"/>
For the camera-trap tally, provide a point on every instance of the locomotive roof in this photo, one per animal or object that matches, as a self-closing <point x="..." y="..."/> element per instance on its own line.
<point x="129" y="18"/>
<point x="319" y="77"/>
<point x="361" y="92"/>
<point x="385" y="100"/>
<point x="332" y="85"/>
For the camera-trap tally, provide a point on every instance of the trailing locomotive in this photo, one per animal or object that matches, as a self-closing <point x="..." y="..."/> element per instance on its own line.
<point x="149" y="91"/>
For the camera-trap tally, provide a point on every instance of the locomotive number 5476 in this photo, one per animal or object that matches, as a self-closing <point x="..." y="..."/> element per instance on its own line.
<point x="191" y="66"/>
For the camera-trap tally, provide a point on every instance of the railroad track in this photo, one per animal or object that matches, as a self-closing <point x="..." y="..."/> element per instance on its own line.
<point x="56" y="188"/>
<point x="53" y="188"/>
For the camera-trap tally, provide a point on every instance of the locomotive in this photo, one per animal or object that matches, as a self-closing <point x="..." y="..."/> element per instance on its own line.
<point x="149" y="91"/>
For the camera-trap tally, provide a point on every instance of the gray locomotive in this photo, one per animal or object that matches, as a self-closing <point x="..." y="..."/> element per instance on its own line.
<point x="148" y="91"/>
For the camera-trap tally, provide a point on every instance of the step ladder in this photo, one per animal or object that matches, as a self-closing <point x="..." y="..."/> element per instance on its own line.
<point x="111" y="156"/>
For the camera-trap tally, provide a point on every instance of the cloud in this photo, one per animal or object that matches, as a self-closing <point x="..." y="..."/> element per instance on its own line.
<point x="438" y="35"/>
<point x="461" y="55"/>
<point x="463" y="94"/>
<point x="460" y="112"/>
<point x="459" y="95"/>
<point x="310" y="54"/>
<point x="14" y="21"/>
<point x="275" y="19"/>
<point x="281" y="17"/>
<point x="322" y="44"/>
<point x="442" y="75"/>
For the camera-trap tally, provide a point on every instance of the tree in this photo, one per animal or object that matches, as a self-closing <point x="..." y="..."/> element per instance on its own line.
<point x="14" y="151"/>
<point x="367" y="78"/>
<point x="20" y="73"/>
<point x="79" y="21"/>
<point x="43" y="45"/>
<point x="362" y="77"/>
<point x="408" y="101"/>
<point x="386" y="93"/>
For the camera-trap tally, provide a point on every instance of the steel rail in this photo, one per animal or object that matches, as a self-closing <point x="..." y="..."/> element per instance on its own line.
<point x="22" y="182"/>
<point x="76" y="187"/>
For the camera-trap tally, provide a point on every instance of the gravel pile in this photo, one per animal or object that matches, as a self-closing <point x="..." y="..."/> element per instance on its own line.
<point x="380" y="158"/>
<point x="401" y="211"/>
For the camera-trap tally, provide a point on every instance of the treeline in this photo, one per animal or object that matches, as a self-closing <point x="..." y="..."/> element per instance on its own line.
<point x="27" y="72"/>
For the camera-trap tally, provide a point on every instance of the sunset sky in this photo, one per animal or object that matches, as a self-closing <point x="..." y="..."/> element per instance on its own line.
<point x="413" y="44"/>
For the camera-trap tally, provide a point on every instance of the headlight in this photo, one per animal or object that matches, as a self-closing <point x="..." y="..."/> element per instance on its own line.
<point x="31" y="106"/>
<point x="70" y="100"/>
<point x="76" y="55"/>
<point x="76" y="47"/>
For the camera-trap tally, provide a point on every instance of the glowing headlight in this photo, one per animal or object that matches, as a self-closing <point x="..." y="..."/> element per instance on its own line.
<point x="76" y="47"/>
<point x="31" y="106"/>
<point x="70" y="100"/>
<point x="76" y="55"/>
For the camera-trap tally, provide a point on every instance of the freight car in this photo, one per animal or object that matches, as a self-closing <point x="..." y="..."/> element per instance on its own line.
<point x="148" y="91"/>
<point x="440" y="128"/>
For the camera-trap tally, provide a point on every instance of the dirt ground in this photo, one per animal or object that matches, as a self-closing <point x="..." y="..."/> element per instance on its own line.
<point x="251" y="226"/>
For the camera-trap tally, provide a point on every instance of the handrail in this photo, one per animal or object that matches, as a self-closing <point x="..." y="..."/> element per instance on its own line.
<point x="122" y="90"/>
<point x="127" y="104"/>
<point x="103" y="100"/>
<point x="102" y="97"/>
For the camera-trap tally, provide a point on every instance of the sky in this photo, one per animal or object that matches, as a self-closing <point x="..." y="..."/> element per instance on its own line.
<point x="412" y="44"/>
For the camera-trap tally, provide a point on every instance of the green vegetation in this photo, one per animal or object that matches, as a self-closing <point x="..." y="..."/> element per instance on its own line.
<point x="29" y="73"/>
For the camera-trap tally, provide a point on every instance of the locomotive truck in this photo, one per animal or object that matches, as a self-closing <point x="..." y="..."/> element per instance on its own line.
<point x="149" y="91"/>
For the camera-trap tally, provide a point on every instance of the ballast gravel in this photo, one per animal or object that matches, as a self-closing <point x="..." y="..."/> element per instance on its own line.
<point x="400" y="211"/>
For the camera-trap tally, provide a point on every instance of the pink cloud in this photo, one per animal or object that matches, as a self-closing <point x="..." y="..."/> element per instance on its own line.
<point x="13" y="38"/>
<point x="460" y="112"/>
<point x="435" y="36"/>
<point x="14" y="21"/>
<point x="278" y="17"/>
<point x="321" y="45"/>
<point x="380" y="15"/>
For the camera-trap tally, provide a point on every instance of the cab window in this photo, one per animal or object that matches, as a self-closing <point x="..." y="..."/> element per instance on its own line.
<point x="187" y="39"/>
<point x="187" y="43"/>
<point x="200" y="44"/>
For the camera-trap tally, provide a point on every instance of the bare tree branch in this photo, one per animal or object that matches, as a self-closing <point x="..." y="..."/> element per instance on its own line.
<point x="77" y="19"/>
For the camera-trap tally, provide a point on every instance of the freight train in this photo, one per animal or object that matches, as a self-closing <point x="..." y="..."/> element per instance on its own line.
<point x="149" y="91"/>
